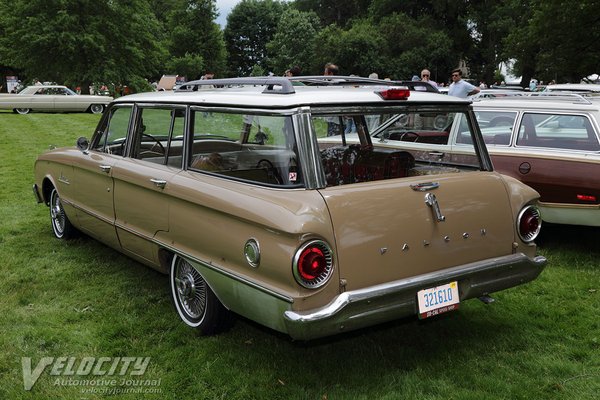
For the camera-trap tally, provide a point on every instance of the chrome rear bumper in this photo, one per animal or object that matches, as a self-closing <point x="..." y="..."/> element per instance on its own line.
<point x="376" y="304"/>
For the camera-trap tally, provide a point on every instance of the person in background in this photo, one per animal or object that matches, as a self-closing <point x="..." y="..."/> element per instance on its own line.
<point x="294" y="71"/>
<point x="461" y="88"/>
<point x="333" y="125"/>
<point x="425" y="75"/>
<point x="373" y="75"/>
<point x="331" y="69"/>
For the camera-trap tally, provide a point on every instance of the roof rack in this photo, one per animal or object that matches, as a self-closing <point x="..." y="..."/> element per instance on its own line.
<point x="285" y="85"/>
<point x="338" y="80"/>
<point x="274" y="85"/>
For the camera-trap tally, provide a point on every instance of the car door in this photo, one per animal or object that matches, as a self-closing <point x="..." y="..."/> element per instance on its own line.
<point x="556" y="154"/>
<point x="94" y="176"/>
<point x="141" y="183"/>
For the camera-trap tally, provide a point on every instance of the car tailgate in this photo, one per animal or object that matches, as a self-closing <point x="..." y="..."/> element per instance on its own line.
<point x="378" y="240"/>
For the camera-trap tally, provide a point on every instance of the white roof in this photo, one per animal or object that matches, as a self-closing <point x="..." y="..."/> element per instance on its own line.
<point x="303" y="95"/>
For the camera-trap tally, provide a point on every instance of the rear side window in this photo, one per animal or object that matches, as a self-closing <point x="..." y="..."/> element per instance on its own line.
<point x="496" y="126"/>
<point x="259" y="149"/>
<point x="558" y="131"/>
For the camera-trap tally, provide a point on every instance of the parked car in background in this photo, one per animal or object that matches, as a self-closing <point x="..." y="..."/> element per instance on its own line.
<point x="574" y="87"/>
<point x="551" y="143"/>
<point x="52" y="98"/>
<point x="238" y="193"/>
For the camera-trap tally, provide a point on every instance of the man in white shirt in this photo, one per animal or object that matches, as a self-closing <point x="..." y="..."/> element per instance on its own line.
<point x="460" y="88"/>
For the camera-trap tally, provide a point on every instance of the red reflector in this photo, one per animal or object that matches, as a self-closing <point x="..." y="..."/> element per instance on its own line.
<point x="586" y="197"/>
<point x="394" y="94"/>
<point x="312" y="263"/>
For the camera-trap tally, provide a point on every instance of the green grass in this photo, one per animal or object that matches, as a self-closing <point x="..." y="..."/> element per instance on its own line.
<point x="80" y="299"/>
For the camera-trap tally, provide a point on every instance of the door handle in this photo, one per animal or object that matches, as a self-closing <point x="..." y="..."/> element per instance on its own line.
<point x="438" y="154"/>
<point x="159" y="183"/>
<point x="105" y="168"/>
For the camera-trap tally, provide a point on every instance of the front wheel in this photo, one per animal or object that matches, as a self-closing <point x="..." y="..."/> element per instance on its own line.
<point x="96" y="108"/>
<point x="22" y="111"/>
<point x="61" y="226"/>
<point x="196" y="303"/>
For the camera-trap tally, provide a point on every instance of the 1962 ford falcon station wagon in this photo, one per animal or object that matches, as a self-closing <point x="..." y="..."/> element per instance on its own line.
<point x="233" y="191"/>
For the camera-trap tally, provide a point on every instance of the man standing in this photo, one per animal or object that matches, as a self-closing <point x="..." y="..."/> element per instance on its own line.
<point x="425" y="77"/>
<point x="460" y="88"/>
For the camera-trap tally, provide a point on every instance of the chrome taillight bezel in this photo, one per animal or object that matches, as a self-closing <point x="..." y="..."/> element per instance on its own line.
<point x="529" y="236"/>
<point x="324" y="276"/>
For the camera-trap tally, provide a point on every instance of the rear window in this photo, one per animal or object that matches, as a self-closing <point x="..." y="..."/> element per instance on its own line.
<point x="410" y="143"/>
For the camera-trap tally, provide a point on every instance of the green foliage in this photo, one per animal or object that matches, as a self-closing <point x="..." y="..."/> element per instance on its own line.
<point x="338" y="12"/>
<point x="250" y="26"/>
<point x="195" y="41"/>
<point x="188" y="65"/>
<point x="81" y="41"/>
<point x="294" y="43"/>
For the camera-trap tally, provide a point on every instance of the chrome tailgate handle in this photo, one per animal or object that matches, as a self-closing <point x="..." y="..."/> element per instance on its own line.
<point x="105" y="168"/>
<point x="160" y="183"/>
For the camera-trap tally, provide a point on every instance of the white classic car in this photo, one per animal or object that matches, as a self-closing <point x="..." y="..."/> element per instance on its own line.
<point x="52" y="98"/>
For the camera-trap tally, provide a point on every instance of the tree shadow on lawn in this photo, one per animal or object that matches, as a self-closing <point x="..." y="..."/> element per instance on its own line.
<point x="570" y="237"/>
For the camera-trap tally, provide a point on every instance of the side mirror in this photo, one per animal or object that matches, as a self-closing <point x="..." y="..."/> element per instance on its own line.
<point x="83" y="144"/>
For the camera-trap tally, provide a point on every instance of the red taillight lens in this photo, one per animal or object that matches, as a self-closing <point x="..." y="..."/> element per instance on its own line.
<point x="394" y="93"/>
<point x="586" y="197"/>
<point x="313" y="264"/>
<point x="529" y="223"/>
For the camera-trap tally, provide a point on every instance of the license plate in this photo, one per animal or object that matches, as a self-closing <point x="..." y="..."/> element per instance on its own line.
<point x="438" y="300"/>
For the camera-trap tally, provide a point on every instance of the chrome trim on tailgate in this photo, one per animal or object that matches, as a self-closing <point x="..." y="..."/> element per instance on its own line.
<point x="376" y="304"/>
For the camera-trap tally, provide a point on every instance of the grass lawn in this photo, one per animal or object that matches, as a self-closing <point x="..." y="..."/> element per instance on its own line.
<point x="81" y="299"/>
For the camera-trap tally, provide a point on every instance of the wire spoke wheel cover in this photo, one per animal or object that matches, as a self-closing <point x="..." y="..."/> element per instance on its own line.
<point x="57" y="215"/>
<point x="190" y="290"/>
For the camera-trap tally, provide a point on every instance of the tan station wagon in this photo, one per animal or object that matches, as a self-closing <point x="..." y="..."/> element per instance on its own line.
<point x="232" y="188"/>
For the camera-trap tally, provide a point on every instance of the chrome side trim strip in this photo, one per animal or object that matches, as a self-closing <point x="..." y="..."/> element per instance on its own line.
<point x="226" y="273"/>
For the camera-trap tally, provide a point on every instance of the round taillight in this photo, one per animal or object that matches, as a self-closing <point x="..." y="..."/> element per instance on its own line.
<point x="529" y="223"/>
<point x="313" y="264"/>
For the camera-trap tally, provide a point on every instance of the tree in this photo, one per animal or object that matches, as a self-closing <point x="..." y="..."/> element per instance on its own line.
<point x="195" y="41"/>
<point x="294" y="41"/>
<point x="564" y="37"/>
<point x="338" y="12"/>
<point x="357" y="50"/>
<point x="79" y="42"/>
<point x="250" y="26"/>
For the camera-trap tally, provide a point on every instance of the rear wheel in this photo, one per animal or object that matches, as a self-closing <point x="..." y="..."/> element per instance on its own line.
<point x="22" y="111"/>
<point x="96" y="108"/>
<point x="61" y="226"/>
<point x="196" y="303"/>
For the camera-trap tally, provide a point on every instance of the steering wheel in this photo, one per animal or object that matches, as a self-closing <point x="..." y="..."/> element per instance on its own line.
<point x="409" y="136"/>
<point x="271" y="170"/>
<point x="152" y="150"/>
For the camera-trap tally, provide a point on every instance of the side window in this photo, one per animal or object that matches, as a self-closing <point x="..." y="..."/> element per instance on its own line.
<point x="496" y="126"/>
<point x="158" y="135"/>
<point x="559" y="131"/>
<point x="259" y="149"/>
<point x="111" y="137"/>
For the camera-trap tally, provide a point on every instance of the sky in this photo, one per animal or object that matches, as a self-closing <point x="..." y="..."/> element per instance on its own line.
<point x="224" y="7"/>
